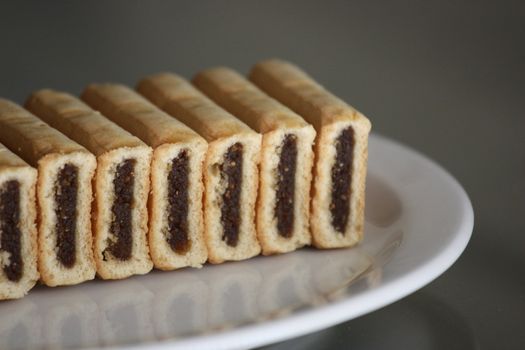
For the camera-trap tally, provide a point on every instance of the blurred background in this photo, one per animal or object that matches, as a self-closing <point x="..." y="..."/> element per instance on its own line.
<point x="446" y="78"/>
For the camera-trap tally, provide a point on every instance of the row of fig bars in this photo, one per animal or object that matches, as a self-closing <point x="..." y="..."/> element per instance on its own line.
<point x="176" y="174"/>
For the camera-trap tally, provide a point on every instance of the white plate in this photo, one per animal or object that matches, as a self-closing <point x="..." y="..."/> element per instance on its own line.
<point x="418" y="221"/>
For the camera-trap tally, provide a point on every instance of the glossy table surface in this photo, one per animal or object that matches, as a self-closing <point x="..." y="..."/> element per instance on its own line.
<point x="446" y="79"/>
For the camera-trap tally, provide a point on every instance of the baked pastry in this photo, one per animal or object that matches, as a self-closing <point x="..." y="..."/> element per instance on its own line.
<point x="18" y="248"/>
<point x="338" y="200"/>
<point x="230" y="168"/>
<point x="175" y="207"/>
<point x="121" y="181"/>
<point x="286" y="158"/>
<point x="64" y="195"/>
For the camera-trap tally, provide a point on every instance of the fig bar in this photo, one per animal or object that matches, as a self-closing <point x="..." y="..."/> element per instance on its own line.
<point x="230" y="168"/>
<point x="18" y="246"/>
<point x="286" y="158"/>
<point x="65" y="171"/>
<point x="338" y="201"/>
<point x="176" y="223"/>
<point x="121" y="181"/>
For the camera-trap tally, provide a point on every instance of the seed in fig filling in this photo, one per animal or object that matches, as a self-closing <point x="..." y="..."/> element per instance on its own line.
<point x="231" y="173"/>
<point x="121" y="226"/>
<point x="66" y="190"/>
<point x="11" y="240"/>
<point x="284" y="206"/>
<point x="342" y="179"/>
<point x="178" y="183"/>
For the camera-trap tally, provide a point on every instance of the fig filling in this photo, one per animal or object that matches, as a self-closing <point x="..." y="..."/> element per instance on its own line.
<point x="121" y="226"/>
<point x="178" y="204"/>
<point x="10" y="231"/>
<point x="231" y="173"/>
<point x="66" y="189"/>
<point x="284" y="207"/>
<point x="342" y="179"/>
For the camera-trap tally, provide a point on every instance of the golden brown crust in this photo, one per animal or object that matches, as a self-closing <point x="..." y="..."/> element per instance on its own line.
<point x="52" y="272"/>
<point x="221" y="129"/>
<point x="169" y="137"/>
<point x="10" y="160"/>
<point x="329" y="115"/>
<point x="109" y="267"/>
<point x="30" y="137"/>
<point x="290" y="85"/>
<point x="47" y="149"/>
<point x="137" y="115"/>
<point x="248" y="246"/>
<point x="77" y="120"/>
<point x="14" y="168"/>
<point x="164" y="257"/>
<point x="112" y="145"/>
<point x="237" y="95"/>
<point x="240" y="97"/>
<point x="180" y="99"/>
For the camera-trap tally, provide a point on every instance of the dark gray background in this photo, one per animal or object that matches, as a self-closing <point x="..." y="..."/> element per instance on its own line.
<point x="444" y="77"/>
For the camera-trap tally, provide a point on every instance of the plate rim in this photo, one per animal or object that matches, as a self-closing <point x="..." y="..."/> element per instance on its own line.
<point x="311" y="320"/>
